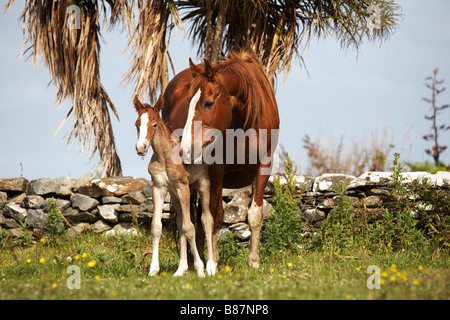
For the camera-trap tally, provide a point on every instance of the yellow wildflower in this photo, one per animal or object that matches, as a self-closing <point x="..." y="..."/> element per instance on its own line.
<point x="97" y="277"/>
<point x="290" y="264"/>
<point x="42" y="260"/>
<point x="92" y="264"/>
<point x="28" y="260"/>
<point x="420" y="268"/>
<point x="227" y="268"/>
<point x="84" y="255"/>
<point x="42" y="240"/>
<point x="416" y="282"/>
<point x="54" y="285"/>
<point x="77" y="257"/>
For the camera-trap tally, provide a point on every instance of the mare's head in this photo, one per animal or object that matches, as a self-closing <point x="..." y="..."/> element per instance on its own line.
<point x="210" y="107"/>
<point x="146" y="124"/>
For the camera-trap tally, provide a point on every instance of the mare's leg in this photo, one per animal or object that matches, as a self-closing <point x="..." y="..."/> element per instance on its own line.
<point x="208" y="225"/>
<point x="188" y="228"/>
<point x="158" y="201"/>
<point x="255" y="217"/>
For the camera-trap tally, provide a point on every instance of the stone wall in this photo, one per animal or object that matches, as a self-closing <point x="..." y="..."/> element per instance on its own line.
<point x="106" y="205"/>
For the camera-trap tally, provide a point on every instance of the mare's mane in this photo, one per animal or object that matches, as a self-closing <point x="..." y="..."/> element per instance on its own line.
<point x="255" y="90"/>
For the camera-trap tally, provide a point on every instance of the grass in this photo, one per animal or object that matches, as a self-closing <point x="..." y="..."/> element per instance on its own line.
<point x="113" y="268"/>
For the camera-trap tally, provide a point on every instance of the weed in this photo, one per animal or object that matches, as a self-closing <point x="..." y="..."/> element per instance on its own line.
<point x="284" y="226"/>
<point x="54" y="223"/>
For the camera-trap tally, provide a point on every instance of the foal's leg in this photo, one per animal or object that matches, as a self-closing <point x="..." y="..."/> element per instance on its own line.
<point x="255" y="218"/>
<point x="159" y="194"/>
<point x="188" y="228"/>
<point x="208" y="224"/>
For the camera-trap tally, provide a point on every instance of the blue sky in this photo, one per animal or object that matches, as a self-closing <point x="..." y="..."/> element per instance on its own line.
<point x="345" y="94"/>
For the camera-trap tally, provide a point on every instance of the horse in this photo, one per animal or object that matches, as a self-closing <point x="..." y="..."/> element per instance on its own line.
<point x="170" y="175"/>
<point x="234" y="95"/>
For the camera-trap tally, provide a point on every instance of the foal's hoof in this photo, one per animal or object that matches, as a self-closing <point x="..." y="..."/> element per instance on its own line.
<point x="253" y="261"/>
<point x="153" y="272"/>
<point x="180" y="272"/>
<point x="210" y="268"/>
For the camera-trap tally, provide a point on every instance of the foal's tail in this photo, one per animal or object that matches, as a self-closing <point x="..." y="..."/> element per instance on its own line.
<point x="195" y="209"/>
<point x="196" y="218"/>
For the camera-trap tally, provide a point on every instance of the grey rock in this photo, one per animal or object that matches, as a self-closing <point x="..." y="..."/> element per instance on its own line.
<point x="372" y="201"/>
<point x="82" y="202"/>
<point x="100" y="226"/>
<point x="147" y="190"/>
<point x="58" y="186"/>
<point x="112" y="186"/>
<point x="14" y="184"/>
<point x="17" y="232"/>
<point x="371" y="179"/>
<point x="7" y="222"/>
<point x="122" y="228"/>
<point x="236" y="210"/>
<point x="140" y="215"/>
<point x="147" y="205"/>
<point x="18" y="198"/>
<point x="80" y="227"/>
<point x="3" y="198"/>
<point x="441" y="179"/>
<point x="111" y="200"/>
<point x="313" y="215"/>
<point x="62" y="204"/>
<point x="136" y="197"/>
<point x="76" y="215"/>
<point x="330" y="181"/>
<point x="15" y="211"/>
<point x="36" y="218"/>
<point x="33" y="202"/>
<point x="109" y="212"/>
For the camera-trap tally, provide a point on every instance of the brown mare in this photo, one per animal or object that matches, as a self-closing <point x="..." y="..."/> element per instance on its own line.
<point x="170" y="175"/>
<point x="235" y="94"/>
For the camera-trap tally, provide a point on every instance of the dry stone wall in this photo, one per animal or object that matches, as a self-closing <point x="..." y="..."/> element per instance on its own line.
<point x="107" y="205"/>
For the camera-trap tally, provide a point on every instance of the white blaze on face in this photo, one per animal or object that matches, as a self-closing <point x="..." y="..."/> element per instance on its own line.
<point x="186" y="140"/>
<point x="142" y="139"/>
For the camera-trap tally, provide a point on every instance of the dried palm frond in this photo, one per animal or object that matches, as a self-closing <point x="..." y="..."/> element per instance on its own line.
<point x="278" y="30"/>
<point x="148" y="71"/>
<point x="72" y="57"/>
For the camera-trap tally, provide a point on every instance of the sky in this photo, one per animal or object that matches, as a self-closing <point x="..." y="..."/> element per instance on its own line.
<point x="340" y="93"/>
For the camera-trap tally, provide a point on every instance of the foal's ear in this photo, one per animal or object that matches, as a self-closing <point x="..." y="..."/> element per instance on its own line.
<point x="137" y="104"/>
<point x="159" y="104"/>
<point x="209" y="70"/>
<point x="194" y="69"/>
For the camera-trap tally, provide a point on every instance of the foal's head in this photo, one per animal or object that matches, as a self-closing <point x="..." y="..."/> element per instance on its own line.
<point x="146" y="124"/>
<point x="210" y="105"/>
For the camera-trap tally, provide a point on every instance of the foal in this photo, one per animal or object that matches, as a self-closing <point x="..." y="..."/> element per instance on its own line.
<point x="172" y="176"/>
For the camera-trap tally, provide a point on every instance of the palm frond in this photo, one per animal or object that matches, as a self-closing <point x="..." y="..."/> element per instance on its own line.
<point x="72" y="58"/>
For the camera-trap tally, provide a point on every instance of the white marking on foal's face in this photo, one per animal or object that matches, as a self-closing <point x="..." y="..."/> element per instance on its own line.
<point x="186" y="140"/>
<point x="143" y="144"/>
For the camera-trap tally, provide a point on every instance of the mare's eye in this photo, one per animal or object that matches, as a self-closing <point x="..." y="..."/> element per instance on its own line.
<point x="155" y="125"/>
<point x="208" y="104"/>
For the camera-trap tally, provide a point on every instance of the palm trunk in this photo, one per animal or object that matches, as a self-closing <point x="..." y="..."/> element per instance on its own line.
<point x="218" y="34"/>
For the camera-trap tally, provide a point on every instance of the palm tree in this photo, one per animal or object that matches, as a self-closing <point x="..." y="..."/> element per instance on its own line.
<point x="277" y="31"/>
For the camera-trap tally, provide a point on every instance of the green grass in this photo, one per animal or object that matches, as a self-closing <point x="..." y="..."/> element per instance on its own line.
<point x="118" y="273"/>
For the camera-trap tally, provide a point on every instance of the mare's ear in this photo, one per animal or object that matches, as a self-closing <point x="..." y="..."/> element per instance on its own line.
<point x="159" y="104"/>
<point x="194" y="69"/>
<point x="209" y="70"/>
<point x="137" y="104"/>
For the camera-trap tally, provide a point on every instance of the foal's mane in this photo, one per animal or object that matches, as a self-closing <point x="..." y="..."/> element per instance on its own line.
<point x="255" y="90"/>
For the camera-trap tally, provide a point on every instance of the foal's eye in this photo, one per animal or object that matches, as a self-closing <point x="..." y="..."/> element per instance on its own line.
<point x="208" y="104"/>
<point x="155" y="125"/>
